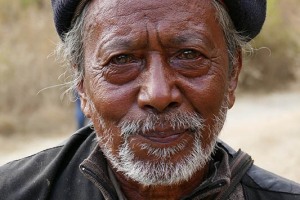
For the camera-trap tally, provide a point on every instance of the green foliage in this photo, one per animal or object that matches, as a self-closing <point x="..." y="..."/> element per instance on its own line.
<point x="28" y="3"/>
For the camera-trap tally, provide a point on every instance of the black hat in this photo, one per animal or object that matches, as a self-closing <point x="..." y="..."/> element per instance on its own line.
<point x="248" y="16"/>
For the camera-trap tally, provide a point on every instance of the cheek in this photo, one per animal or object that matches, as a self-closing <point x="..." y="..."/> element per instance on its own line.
<point x="113" y="101"/>
<point x="206" y="95"/>
<point x="109" y="134"/>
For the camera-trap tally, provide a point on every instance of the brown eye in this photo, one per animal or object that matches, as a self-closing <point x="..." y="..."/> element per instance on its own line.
<point x="188" y="54"/>
<point x="122" y="59"/>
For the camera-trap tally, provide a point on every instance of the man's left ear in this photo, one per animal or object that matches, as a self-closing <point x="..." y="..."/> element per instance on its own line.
<point x="233" y="78"/>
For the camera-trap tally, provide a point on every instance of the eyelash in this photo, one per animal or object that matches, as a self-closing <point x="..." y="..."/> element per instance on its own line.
<point x="128" y="59"/>
<point x="187" y="52"/>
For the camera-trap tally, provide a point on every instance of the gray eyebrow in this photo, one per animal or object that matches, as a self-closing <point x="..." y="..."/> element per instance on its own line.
<point x="114" y="44"/>
<point x="118" y="43"/>
<point x="187" y="38"/>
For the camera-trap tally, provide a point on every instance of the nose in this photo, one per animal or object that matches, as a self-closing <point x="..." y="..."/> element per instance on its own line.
<point x="158" y="91"/>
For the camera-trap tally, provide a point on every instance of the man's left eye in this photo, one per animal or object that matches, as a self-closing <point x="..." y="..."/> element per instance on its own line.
<point x="122" y="59"/>
<point x="188" y="54"/>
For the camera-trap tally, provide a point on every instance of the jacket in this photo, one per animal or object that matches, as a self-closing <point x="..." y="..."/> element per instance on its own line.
<point x="77" y="169"/>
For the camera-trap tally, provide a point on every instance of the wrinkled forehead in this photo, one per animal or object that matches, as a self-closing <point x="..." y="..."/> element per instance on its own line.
<point x="153" y="10"/>
<point x="136" y="21"/>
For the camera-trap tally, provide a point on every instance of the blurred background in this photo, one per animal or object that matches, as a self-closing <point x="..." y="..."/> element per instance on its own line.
<point x="265" y="121"/>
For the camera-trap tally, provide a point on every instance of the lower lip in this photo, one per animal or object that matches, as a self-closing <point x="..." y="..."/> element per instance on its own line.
<point x="164" y="140"/>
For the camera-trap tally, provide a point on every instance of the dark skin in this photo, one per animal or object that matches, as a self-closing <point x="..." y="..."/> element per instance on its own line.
<point x="155" y="57"/>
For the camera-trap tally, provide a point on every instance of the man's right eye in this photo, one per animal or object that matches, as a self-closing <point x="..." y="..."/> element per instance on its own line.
<point x="122" y="59"/>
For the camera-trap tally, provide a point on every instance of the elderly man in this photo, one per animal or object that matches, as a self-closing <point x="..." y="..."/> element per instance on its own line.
<point x="156" y="78"/>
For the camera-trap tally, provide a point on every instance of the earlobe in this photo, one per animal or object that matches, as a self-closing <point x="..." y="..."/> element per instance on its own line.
<point x="85" y="107"/>
<point x="233" y="79"/>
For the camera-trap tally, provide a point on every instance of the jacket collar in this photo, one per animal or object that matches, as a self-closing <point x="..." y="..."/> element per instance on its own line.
<point x="95" y="168"/>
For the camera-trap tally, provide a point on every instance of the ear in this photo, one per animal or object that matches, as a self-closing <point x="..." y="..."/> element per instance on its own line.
<point x="84" y="99"/>
<point x="233" y="78"/>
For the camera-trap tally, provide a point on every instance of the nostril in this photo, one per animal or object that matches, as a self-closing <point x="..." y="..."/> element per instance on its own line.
<point x="173" y="105"/>
<point x="149" y="108"/>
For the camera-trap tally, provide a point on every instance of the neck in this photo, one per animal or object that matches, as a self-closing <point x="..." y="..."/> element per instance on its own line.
<point x="135" y="190"/>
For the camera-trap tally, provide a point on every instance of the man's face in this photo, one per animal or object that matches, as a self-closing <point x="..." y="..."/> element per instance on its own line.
<point x="156" y="85"/>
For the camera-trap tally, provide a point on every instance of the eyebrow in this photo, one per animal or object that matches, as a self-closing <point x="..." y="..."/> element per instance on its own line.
<point x="118" y="43"/>
<point x="190" y="38"/>
<point x="122" y="43"/>
<point x="115" y="44"/>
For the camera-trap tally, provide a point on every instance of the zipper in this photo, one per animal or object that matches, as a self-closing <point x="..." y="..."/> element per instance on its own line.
<point x="210" y="187"/>
<point x="96" y="180"/>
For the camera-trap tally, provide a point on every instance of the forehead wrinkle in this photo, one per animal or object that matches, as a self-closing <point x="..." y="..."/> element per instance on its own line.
<point x="164" y="37"/>
<point x="146" y="12"/>
<point x="158" y="36"/>
<point x="155" y="32"/>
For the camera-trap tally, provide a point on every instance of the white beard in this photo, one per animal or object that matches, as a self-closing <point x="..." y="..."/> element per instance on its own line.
<point x="163" y="171"/>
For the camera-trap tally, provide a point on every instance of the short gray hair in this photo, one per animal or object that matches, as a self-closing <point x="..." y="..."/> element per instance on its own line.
<point x="71" y="49"/>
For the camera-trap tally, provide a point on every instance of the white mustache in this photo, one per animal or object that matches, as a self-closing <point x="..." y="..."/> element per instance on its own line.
<point x="176" y="120"/>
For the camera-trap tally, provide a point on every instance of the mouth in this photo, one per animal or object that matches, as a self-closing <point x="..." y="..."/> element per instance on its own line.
<point x="166" y="136"/>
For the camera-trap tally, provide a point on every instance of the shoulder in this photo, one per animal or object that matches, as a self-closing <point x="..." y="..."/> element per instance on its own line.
<point x="34" y="173"/>
<point x="67" y="147"/>
<point x="262" y="184"/>
<point x="259" y="184"/>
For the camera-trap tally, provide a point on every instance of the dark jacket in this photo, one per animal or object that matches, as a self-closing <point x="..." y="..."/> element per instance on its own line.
<point x="71" y="171"/>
